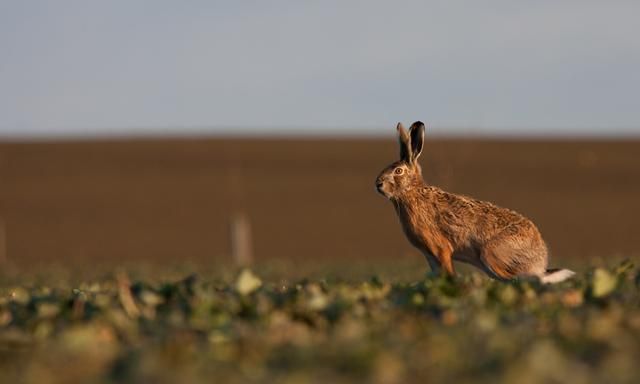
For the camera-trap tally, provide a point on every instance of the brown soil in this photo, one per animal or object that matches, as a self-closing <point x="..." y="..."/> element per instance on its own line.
<point x="308" y="200"/>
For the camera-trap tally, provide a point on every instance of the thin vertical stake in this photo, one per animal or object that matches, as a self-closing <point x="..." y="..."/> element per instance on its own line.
<point x="241" y="248"/>
<point x="3" y="241"/>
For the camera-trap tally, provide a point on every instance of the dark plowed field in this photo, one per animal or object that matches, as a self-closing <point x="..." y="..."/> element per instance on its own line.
<point x="307" y="199"/>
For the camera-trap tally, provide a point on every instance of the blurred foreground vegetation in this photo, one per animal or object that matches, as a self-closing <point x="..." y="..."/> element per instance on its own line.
<point x="245" y="327"/>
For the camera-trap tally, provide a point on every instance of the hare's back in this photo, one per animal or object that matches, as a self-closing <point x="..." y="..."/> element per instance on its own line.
<point x="481" y="220"/>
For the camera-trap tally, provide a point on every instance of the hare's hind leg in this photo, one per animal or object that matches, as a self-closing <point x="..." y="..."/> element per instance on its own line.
<point x="497" y="257"/>
<point x="507" y="258"/>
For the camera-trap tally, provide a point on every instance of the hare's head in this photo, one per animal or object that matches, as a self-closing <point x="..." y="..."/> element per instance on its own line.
<point x="405" y="173"/>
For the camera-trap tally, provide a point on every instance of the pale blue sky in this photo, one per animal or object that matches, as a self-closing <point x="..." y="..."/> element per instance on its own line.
<point x="479" y="67"/>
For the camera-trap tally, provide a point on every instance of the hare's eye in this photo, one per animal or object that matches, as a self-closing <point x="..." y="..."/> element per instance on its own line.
<point x="398" y="171"/>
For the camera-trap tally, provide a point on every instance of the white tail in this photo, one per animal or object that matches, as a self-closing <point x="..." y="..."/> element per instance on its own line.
<point x="553" y="276"/>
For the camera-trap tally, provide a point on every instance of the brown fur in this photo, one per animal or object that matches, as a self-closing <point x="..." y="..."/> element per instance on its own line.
<point x="447" y="227"/>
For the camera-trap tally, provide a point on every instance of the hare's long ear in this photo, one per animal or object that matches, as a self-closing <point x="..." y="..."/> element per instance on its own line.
<point x="417" y="139"/>
<point x="405" y="143"/>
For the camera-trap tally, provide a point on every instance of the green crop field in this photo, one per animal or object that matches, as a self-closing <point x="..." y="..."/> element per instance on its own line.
<point x="244" y="326"/>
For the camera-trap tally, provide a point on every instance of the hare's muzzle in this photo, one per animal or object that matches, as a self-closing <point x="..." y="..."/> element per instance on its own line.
<point x="379" y="186"/>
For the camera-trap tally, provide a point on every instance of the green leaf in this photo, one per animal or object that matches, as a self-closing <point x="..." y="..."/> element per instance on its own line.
<point x="603" y="283"/>
<point x="20" y="295"/>
<point x="247" y="282"/>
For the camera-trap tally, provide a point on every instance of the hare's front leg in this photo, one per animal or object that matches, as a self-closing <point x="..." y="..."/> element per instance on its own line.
<point x="444" y="255"/>
<point x="434" y="264"/>
<point x="439" y="255"/>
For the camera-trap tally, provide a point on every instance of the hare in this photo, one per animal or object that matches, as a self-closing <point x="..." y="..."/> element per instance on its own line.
<point x="447" y="227"/>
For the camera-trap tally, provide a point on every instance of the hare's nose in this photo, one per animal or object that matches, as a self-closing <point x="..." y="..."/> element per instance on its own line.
<point x="378" y="184"/>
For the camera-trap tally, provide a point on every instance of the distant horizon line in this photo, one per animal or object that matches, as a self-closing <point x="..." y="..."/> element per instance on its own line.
<point x="317" y="132"/>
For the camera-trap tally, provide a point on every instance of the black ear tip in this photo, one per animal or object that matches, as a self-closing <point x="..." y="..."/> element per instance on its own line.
<point x="418" y="124"/>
